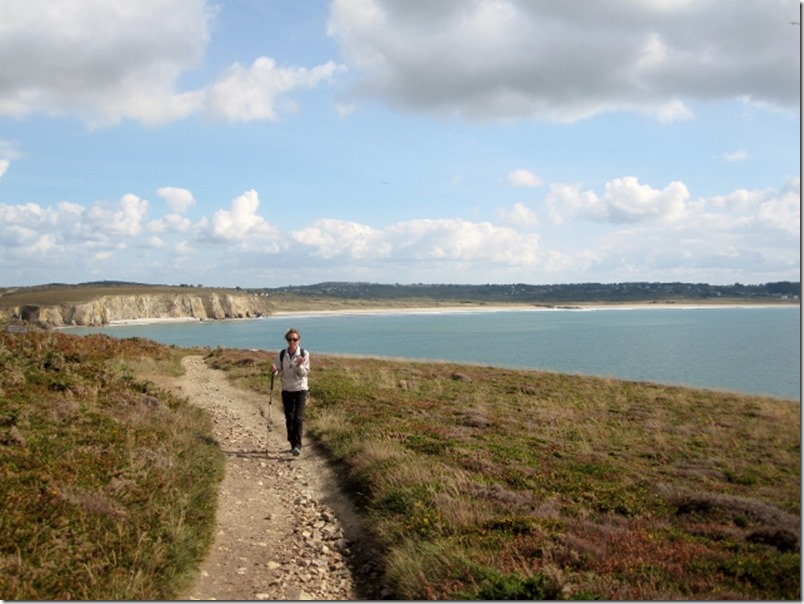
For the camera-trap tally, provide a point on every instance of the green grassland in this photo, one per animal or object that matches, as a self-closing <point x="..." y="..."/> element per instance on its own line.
<point x="64" y="294"/>
<point x="108" y="485"/>
<point x="500" y="484"/>
<point x="473" y="482"/>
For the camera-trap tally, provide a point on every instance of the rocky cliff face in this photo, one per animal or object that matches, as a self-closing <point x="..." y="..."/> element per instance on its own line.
<point x="106" y="309"/>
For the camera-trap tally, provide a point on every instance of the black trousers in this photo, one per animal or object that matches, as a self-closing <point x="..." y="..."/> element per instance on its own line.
<point x="293" y="403"/>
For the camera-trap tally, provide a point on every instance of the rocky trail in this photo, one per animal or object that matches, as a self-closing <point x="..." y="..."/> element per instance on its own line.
<point x="284" y="529"/>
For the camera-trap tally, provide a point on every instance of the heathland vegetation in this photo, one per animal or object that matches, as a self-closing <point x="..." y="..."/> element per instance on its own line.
<point x="500" y="484"/>
<point x="473" y="482"/>
<point x="109" y="484"/>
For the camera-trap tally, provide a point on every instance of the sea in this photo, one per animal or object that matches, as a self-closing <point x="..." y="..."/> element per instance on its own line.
<point x="752" y="350"/>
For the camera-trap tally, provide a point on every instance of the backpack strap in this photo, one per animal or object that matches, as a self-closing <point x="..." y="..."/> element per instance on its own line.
<point x="282" y="356"/>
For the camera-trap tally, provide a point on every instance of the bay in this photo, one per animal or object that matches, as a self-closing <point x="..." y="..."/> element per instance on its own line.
<point x="753" y="350"/>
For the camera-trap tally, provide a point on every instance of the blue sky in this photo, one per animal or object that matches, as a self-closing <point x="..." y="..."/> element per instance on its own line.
<point x="261" y="143"/>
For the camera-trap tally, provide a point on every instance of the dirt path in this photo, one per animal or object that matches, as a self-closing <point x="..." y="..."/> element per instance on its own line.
<point x="285" y="531"/>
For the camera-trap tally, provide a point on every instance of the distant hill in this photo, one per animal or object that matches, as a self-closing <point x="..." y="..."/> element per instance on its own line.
<point x="101" y="303"/>
<point x="546" y="294"/>
<point x="380" y="294"/>
<point x="65" y="293"/>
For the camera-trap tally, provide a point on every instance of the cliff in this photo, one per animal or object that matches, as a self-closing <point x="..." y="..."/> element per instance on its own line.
<point x="107" y="309"/>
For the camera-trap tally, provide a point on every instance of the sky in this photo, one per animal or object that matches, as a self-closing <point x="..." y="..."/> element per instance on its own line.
<point x="264" y="143"/>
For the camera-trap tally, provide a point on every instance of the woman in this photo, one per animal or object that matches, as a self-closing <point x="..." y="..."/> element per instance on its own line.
<point x="294" y="365"/>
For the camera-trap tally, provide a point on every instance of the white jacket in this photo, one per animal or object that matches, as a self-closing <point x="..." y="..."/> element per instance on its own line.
<point x="294" y="377"/>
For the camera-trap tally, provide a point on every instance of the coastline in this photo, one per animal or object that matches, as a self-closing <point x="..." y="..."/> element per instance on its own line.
<point x="390" y="333"/>
<point x="149" y="321"/>
<point x="465" y="309"/>
<point x="452" y="309"/>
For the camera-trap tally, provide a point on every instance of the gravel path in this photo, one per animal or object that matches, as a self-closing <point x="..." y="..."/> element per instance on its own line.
<point x="284" y="529"/>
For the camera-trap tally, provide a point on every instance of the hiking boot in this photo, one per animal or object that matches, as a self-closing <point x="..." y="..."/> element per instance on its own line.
<point x="296" y="451"/>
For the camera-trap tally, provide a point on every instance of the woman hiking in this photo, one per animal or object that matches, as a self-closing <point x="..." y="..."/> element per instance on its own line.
<point x="293" y="363"/>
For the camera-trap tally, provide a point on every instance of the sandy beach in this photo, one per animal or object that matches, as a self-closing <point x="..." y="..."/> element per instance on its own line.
<point x="508" y="308"/>
<point x="463" y="309"/>
<point x="149" y="321"/>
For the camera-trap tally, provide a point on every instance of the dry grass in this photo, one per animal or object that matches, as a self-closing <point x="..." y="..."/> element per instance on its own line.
<point x="497" y="484"/>
<point x="108" y="483"/>
<point x="475" y="482"/>
<point x="48" y="295"/>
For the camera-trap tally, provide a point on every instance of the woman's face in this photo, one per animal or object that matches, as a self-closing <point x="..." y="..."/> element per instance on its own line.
<point x="293" y="341"/>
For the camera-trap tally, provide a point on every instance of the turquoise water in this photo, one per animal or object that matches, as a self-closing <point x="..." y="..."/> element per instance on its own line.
<point x="750" y="350"/>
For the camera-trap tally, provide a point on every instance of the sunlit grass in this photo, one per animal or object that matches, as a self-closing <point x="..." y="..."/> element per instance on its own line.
<point x="493" y="483"/>
<point x="474" y="482"/>
<point x="108" y="483"/>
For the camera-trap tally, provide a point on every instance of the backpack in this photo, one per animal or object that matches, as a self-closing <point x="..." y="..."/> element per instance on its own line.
<point x="282" y="356"/>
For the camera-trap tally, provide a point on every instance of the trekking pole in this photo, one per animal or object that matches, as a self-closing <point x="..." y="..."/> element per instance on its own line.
<point x="270" y="402"/>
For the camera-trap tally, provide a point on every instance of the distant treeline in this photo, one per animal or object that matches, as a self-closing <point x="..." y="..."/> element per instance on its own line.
<point x="514" y="292"/>
<point x="558" y="293"/>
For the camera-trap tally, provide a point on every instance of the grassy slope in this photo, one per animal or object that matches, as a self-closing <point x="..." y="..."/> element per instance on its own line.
<point x="51" y="295"/>
<point x="492" y="483"/>
<point x="108" y="484"/>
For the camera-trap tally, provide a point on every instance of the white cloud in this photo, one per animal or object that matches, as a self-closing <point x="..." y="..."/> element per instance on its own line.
<point x="170" y="223"/>
<point x="748" y="236"/>
<point x="507" y="59"/>
<point x="251" y="94"/>
<point x="25" y="224"/>
<point x="523" y="178"/>
<point x="461" y="240"/>
<point x="4" y="164"/>
<point x="628" y="201"/>
<point x="418" y="241"/>
<point x="519" y="215"/>
<point x="776" y="209"/>
<point x="626" y="231"/>
<point x="674" y="110"/>
<point x="483" y="59"/>
<point x="108" y="61"/>
<point x="713" y="252"/>
<point x="623" y="200"/>
<point x="783" y="213"/>
<point x="179" y="200"/>
<point x="329" y="238"/>
<point x="69" y="230"/>
<point x="122" y="218"/>
<point x="567" y="200"/>
<point x="99" y="59"/>
<point x="240" y="223"/>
